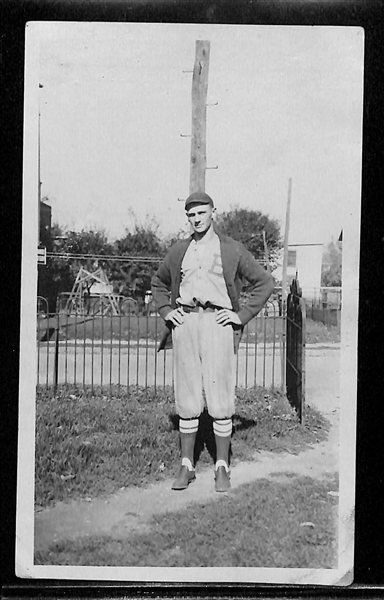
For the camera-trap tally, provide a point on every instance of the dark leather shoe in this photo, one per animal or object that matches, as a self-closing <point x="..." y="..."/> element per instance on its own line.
<point x="222" y="483"/>
<point x="184" y="478"/>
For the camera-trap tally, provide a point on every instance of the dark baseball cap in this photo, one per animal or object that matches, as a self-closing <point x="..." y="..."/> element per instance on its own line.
<point x="198" y="198"/>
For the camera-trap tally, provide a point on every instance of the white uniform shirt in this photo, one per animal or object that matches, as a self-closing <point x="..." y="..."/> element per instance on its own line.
<point x="202" y="278"/>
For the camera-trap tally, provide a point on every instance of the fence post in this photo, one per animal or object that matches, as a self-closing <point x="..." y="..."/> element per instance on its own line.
<point x="56" y="362"/>
<point x="338" y="317"/>
<point x="283" y="346"/>
<point x="303" y="357"/>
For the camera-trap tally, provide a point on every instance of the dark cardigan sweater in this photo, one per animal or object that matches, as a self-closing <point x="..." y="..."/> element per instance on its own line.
<point x="238" y="264"/>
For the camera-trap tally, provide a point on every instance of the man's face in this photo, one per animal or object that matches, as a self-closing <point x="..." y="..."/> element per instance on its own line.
<point x="200" y="217"/>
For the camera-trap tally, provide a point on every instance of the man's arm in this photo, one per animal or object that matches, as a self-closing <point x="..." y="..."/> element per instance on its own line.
<point x="161" y="284"/>
<point x="161" y="290"/>
<point x="262" y="283"/>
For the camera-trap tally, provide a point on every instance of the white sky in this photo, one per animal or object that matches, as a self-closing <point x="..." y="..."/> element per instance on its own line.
<point x="115" y="101"/>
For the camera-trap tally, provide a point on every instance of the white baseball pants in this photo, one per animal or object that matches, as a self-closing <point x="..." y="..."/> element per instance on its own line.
<point x="204" y="358"/>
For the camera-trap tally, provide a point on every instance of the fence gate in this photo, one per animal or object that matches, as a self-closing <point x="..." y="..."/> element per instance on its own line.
<point x="295" y="350"/>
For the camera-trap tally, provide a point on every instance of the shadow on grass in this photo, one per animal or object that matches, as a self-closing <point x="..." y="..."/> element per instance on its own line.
<point x="89" y="443"/>
<point x="205" y="438"/>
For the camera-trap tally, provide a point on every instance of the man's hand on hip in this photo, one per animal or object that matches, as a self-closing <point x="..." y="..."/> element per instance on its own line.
<point x="176" y="316"/>
<point x="226" y="316"/>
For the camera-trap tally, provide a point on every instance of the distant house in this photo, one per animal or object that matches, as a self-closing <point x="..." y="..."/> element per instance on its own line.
<point x="45" y="222"/>
<point x="304" y="260"/>
<point x="45" y="217"/>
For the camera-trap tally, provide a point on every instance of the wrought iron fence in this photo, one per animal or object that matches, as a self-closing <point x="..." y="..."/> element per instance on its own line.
<point x="320" y="311"/>
<point x="295" y="350"/>
<point x="120" y="351"/>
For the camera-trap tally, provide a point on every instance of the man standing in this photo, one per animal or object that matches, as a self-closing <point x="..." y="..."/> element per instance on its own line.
<point x="196" y="291"/>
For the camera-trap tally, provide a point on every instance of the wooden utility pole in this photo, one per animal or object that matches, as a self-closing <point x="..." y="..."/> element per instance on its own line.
<point x="199" y="117"/>
<point x="286" y="237"/>
<point x="39" y="184"/>
<point x="266" y="253"/>
<point x="39" y="169"/>
<point x="284" y="283"/>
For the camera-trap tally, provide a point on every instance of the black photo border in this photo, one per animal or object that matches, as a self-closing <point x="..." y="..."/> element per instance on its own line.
<point x="368" y="14"/>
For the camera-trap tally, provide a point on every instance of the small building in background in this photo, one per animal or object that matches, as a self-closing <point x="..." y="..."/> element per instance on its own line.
<point x="330" y="297"/>
<point x="305" y="261"/>
<point x="45" y="224"/>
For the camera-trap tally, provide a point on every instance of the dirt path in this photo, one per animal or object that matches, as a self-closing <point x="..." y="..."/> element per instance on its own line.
<point x="131" y="509"/>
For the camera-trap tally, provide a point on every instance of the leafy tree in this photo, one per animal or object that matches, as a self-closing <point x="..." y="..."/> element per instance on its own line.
<point x="59" y="274"/>
<point x="173" y="238"/>
<point x="130" y="278"/>
<point x="133" y="278"/>
<point x="247" y="226"/>
<point x="331" y="265"/>
<point x="87" y="241"/>
<point x="55" y="276"/>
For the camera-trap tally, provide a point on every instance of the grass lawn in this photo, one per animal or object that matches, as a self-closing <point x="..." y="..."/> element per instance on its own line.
<point x="91" y="444"/>
<point x="317" y="333"/>
<point x="269" y="523"/>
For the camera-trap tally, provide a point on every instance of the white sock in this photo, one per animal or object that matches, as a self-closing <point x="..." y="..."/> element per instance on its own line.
<point x="188" y="425"/>
<point x="222" y="463"/>
<point x="222" y="427"/>
<point x="187" y="463"/>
